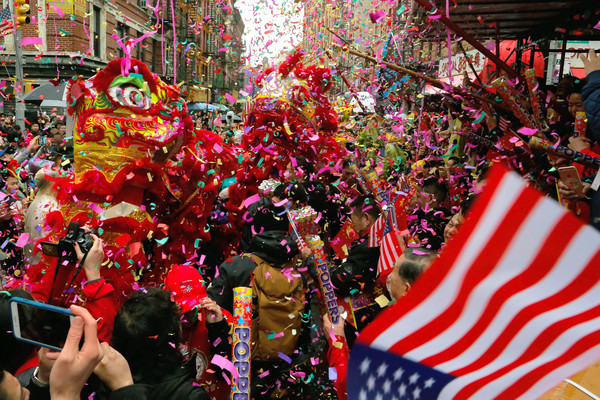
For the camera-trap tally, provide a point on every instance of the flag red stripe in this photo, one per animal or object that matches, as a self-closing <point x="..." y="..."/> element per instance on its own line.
<point x="389" y="252"/>
<point x="535" y="375"/>
<point x="573" y="290"/>
<point x="549" y="252"/>
<point x="538" y="346"/>
<point x="439" y="270"/>
<point x="485" y="260"/>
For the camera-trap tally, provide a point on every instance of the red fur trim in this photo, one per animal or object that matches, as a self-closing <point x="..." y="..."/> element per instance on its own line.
<point x="291" y="62"/>
<point x="104" y="78"/>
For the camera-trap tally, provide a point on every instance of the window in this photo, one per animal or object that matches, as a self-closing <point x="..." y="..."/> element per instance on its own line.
<point x="156" y="57"/>
<point x="122" y="34"/>
<point x="140" y="49"/>
<point x="97" y="32"/>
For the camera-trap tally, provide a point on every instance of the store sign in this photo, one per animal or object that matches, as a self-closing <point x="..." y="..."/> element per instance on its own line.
<point x="67" y="7"/>
<point x="460" y="63"/>
<point x="573" y="64"/>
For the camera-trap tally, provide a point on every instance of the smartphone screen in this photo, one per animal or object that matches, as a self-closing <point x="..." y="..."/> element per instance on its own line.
<point x="40" y="323"/>
<point x="50" y="249"/>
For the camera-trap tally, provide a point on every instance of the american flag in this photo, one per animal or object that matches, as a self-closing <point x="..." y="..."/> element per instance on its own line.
<point x="384" y="223"/>
<point x="509" y="309"/>
<point x="6" y="23"/>
<point x="504" y="124"/>
<point x="392" y="246"/>
<point x="376" y="231"/>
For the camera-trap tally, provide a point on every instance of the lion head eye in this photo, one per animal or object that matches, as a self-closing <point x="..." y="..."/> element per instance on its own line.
<point x="131" y="96"/>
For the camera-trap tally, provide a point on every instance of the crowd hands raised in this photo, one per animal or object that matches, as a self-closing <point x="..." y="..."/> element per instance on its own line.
<point x="174" y="341"/>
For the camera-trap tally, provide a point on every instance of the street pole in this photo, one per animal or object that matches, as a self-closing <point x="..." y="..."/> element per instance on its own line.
<point x="19" y="88"/>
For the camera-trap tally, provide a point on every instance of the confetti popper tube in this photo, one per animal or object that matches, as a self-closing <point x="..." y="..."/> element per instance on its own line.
<point x="363" y="183"/>
<point x="374" y="184"/>
<point x="242" y="322"/>
<point x="316" y="245"/>
<point x="304" y="221"/>
<point x="267" y="187"/>
<point x="295" y="234"/>
<point x="563" y="151"/>
<point x="487" y="143"/>
<point x="512" y="101"/>
<point x="580" y="124"/>
<point x="536" y="100"/>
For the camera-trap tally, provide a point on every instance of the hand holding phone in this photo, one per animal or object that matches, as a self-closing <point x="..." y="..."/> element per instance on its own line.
<point x="114" y="369"/>
<point x="570" y="177"/>
<point x="74" y="366"/>
<point x="39" y="323"/>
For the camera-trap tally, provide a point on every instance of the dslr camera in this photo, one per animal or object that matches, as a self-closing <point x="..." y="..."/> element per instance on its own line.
<point x="65" y="248"/>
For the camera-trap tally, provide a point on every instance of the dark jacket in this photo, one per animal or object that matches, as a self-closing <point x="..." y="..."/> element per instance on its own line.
<point x="275" y="247"/>
<point x="591" y="101"/>
<point x="176" y="386"/>
<point x="359" y="271"/>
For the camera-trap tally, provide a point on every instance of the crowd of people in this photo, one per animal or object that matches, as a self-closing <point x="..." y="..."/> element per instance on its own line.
<point x="174" y="340"/>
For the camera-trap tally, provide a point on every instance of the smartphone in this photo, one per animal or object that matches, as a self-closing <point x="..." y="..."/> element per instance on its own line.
<point x="570" y="176"/>
<point x="580" y="124"/>
<point x="39" y="323"/>
<point x="42" y="140"/>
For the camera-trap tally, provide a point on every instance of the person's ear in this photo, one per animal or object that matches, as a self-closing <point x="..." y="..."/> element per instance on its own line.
<point x="406" y="286"/>
<point x="367" y="219"/>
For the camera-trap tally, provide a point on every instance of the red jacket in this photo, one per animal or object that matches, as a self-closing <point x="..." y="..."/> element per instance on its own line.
<point x="101" y="301"/>
<point x="337" y="356"/>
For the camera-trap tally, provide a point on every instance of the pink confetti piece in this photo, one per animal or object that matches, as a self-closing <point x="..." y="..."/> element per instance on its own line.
<point x="250" y="200"/>
<point x="95" y="208"/>
<point x="597" y="26"/>
<point x="267" y="372"/>
<point x="225" y="364"/>
<point x="527" y="131"/>
<point x="31" y="40"/>
<point x="230" y="98"/>
<point x="23" y="239"/>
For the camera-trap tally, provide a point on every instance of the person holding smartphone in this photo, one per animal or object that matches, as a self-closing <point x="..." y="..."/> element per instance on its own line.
<point x="20" y="360"/>
<point x="74" y="365"/>
<point x="100" y="297"/>
<point x="67" y="372"/>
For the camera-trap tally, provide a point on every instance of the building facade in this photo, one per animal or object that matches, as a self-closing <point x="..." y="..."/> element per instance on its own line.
<point x="177" y="39"/>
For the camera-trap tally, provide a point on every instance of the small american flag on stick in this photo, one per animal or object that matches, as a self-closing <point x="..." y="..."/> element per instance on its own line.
<point x="6" y="22"/>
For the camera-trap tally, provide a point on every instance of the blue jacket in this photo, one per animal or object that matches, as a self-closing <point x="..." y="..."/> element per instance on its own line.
<point x="591" y="101"/>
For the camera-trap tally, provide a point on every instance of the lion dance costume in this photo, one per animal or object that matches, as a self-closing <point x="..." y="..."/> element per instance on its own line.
<point x="143" y="178"/>
<point x="289" y="117"/>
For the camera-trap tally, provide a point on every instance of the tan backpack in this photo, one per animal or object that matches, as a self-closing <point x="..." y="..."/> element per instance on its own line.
<point x="278" y="300"/>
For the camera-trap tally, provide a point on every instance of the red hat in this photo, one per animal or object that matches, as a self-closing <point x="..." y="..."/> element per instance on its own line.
<point x="187" y="286"/>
